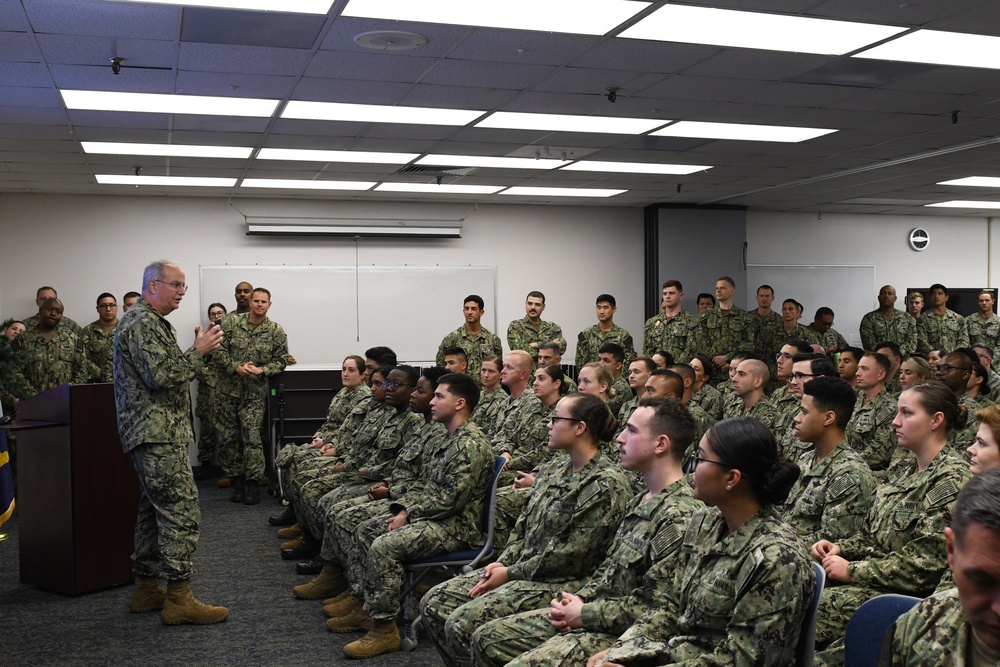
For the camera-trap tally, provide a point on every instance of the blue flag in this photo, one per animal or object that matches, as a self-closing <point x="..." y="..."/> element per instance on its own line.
<point x="6" y="482"/>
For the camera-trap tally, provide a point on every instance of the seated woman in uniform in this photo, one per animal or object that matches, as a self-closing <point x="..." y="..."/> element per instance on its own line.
<point x="492" y="399"/>
<point x="913" y="370"/>
<point x="704" y="394"/>
<point x="902" y="548"/>
<point x="568" y="523"/>
<point x="748" y="582"/>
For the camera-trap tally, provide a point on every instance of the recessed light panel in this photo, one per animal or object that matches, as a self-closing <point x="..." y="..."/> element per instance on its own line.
<point x="165" y="150"/>
<point x="361" y="157"/>
<point x="635" y="167"/>
<point x="975" y="182"/>
<point x="752" y="30"/>
<point x="552" y="122"/>
<point x="297" y="184"/>
<point x="485" y="161"/>
<point x="937" y="47"/>
<point x="373" y="113"/>
<point x="741" y="131"/>
<point x="584" y="17"/>
<point x="294" y="7"/>
<point x="562" y="192"/>
<point x="180" y="181"/>
<point x="966" y="204"/>
<point x="94" y="100"/>
<point x="432" y="188"/>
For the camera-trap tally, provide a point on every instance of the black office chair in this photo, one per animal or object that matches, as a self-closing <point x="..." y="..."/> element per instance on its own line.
<point x="806" y="648"/>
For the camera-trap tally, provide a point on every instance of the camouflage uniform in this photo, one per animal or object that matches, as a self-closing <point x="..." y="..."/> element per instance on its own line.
<point x="669" y="334"/>
<point x="779" y="338"/>
<point x="98" y="345"/>
<point x="645" y="550"/>
<point x="560" y="538"/>
<point x="625" y="412"/>
<point x="476" y="347"/>
<point x="205" y="410"/>
<point x="947" y="332"/>
<point x="622" y="392"/>
<point x="960" y="439"/>
<point x="739" y="600"/>
<point x="935" y="632"/>
<point x="786" y="405"/>
<point x="982" y="331"/>
<point x="763" y="411"/>
<point x="241" y="448"/>
<point x="710" y="400"/>
<point x="520" y="432"/>
<point x="870" y="431"/>
<point x="901" y="549"/>
<point x="521" y="333"/>
<point x="731" y="403"/>
<point x="590" y="340"/>
<point x="899" y="328"/>
<point x="444" y="515"/>
<point x="153" y="401"/>
<point x="49" y="363"/>
<point x="723" y="332"/>
<point x="32" y="322"/>
<point x="831" y="337"/>
<point x="765" y="328"/>
<point x="701" y="423"/>
<point x="831" y="499"/>
<point x="489" y="406"/>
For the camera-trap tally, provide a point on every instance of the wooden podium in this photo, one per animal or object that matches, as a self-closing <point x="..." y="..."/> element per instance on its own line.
<point x="77" y="491"/>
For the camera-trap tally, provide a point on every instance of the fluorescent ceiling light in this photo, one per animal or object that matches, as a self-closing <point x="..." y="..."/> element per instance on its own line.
<point x="966" y="204"/>
<point x="433" y="188"/>
<point x="296" y="6"/>
<point x="305" y="184"/>
<point x="374" y="113"/>
<point x="185" y="181"/>
<point x="635" y="167"/>
<point x="562" y="192"/>
<point x="293" y="226"/>
<point x="364" y="157"/>
<point x="741" y="131"/>
<point x="584" y="17"/>
<point x="774" y="32"/>
<point x="975" y="181"/>
<point x="95" y="100"/>
<point x="485" y="161"/>
<point x="940" y="48"/>
<point x="165" y="150"/>
<point x="552" y="122"/>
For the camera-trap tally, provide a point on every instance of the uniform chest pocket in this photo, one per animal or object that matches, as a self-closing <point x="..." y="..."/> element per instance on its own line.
<point x="903" y="520"/>
<point x="714" y="596"/>
<point x="811" y="503"/>
<point x="865" y="423"/>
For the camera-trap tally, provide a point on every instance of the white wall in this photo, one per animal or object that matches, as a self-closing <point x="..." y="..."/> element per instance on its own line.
<point x="85" y="245"/>
<point x="959" y="254"/>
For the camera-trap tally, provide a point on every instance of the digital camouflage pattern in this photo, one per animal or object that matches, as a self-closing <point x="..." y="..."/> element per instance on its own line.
<point x="870" y="431"/>
<point x="49" y="363"/>
<point x="947" y="332"/>
<point x="831" y="499"/>
<point x="763" y="411"/>
<point x="934" y="632"/>
<point x="723" y="332"/>
<point x="899" y="328"/>
<point x="152" y="380"/>
<point x="520" y="432"/>
<point x="739" y="600"/>
<point x="521" y="333"/>
<point x="590" y="340"/>
<point x="777" y="339"/>
<point x="622" y="393"/>
<point x="832" y="338"/>
<point x="98" y="345"/>
<point x="669" y="334"/>
<point x="476" y="347"/>
<point x="960" y="439"/>
<point x="710" y="400"/>
<point x="786" y="405"/>
<point x="487" y="410"/>
<point x="900" y="550"/>
<point x="646" y="547"/>
<point x="343" y="403"/>
<point x="561" y="537"/>
<point x="32" y="322"/>
<point x="764" y="329"/>
<point x="983" y="332"/>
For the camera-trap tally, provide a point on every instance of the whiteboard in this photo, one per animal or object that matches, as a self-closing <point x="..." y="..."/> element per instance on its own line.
<point x="849" y="290"/>
<point x="330" y="312"/>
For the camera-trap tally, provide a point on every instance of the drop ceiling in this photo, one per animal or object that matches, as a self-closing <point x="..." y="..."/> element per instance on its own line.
<point x="902" y="128"/>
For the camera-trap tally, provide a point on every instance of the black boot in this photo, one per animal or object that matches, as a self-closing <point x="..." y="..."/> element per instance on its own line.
<point x="314" y="566"/>
<point x="252" y="492"/>
<point x="239" y="493"/>
<point x="286" y="518"/>
<point x="309" y="547"/>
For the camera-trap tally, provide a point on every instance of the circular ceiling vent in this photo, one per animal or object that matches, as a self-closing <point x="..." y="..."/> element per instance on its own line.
<point x="390" y="40"/>
<point x="919" y="239"/>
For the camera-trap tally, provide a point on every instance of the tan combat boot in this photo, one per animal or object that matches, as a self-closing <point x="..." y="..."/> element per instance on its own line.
<point x="147" y="595"/>
<point x="344" y="605"/>
<point x="290" y="532"/>
<point x="332" y="606"/>
<point x="181" y="607"/>
<point x="330" y="581"/>
<point x="382" y="638"/>
<point x="355" y="620"/>
<point x="291" y="544"/>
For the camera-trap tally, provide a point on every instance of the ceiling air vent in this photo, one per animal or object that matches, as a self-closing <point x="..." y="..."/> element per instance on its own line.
<point x="431" y="170"/>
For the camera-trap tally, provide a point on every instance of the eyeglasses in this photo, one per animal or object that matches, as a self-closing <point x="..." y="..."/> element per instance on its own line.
<point x="176" y="286"/>
<point x="782" y="355"/>
<point x="553" y="418"/>
<point x="693" y="460"/>
<point x="799" y="376"/>
<point x="393" y="385"/>
<point x="947" y="368"/>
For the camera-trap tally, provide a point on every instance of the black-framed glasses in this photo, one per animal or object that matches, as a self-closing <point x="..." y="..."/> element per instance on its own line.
<point x="552" y="418"/>
<point x="799" y="376"/>
<point x="393" y="385"/>
<point x="177" y="286"/>
<point x="947" y="368"/>
<point x="694" y="459"/>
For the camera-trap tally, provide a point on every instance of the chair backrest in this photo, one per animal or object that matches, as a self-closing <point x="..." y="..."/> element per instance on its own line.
<point x="868" y="625"/>
<point x="490" y="502"/>
<point x="806" y="647"/>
